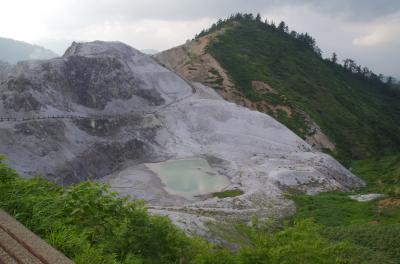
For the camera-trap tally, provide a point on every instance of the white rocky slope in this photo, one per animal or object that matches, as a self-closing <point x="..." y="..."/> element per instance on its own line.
<point x="104" y="109"/>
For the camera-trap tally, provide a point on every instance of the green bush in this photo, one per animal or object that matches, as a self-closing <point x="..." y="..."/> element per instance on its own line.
<point x="374" y="237"/>
<point x="89" y="224"/>
<point x="228" y="193"/>
<point x="381" y="174"/>
<point x="300" y="243"/>
<point x="85" y="221"/>
<point x="381" y="239"/>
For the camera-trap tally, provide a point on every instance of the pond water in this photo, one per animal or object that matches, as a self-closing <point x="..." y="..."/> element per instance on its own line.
<point x="188" y="177"/>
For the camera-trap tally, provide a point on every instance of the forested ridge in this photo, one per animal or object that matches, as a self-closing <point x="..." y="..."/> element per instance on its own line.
<point x="358" y="109"/>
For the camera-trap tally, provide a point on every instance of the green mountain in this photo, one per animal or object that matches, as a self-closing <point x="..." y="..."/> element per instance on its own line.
<point x="12" y="51"/>
<point x="354" y="108"/>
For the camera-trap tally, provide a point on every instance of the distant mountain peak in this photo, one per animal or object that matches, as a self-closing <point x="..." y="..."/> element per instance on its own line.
<point x="149" y="51"/>
<point x="99" y="48"/>
<point x="12" y="51"/>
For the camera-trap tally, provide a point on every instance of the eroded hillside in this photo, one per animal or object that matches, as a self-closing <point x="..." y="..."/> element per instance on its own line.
<point x="193" y="62"/>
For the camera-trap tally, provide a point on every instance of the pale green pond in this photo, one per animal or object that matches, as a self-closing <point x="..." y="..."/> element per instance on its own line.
<point x="188" y="177"/>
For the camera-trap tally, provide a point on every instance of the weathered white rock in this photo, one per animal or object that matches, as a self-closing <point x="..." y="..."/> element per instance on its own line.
<point x="366" y="197"/>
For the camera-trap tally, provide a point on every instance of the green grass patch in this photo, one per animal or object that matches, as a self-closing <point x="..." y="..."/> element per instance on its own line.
<point x="214" y="72"/>
<point x="337" y="209"/>
<point x="373" y="233"/>
<point x="296" y="122"/>
<point x="228" y="193"/>
<point x="381" y="174"/>
<point x="372" y="229"/>
<point x="384" y="240"/>
<point x="274" y="99"/>
<point x="231" y="233"/>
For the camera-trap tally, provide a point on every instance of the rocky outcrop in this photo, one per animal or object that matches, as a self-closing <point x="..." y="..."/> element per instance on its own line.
<point x="3" y="69"/>
<point x="51" y="104"/>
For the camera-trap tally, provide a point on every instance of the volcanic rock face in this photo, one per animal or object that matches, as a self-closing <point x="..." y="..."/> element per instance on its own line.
<point x="3" y="69"/>
<point x="109" y="86"/>
<point x="103" y="110"/>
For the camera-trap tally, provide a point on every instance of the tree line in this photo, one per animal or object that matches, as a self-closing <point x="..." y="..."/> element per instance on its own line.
<point x="303" y="38"/>
<point x="306" y="40"/>
<point x="352" y="66"/>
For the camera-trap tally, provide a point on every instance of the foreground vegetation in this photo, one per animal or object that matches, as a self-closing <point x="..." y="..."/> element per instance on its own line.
<point x="91" y="225"/>
<point x="373" y="226"/>
<point x="373" y="230"/>
<point x="381" y="174"/>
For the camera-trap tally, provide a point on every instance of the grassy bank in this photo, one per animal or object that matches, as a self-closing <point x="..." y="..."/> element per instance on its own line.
<point x="373" y="226"/>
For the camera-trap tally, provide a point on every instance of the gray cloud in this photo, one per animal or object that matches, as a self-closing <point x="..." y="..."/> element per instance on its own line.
<point x="361" y="10"/>
<point x="367" y="30"/>
<point x="357" y="10"/>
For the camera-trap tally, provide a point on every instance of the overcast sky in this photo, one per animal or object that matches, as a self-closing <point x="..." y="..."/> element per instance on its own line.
<point x="366" y="30"/>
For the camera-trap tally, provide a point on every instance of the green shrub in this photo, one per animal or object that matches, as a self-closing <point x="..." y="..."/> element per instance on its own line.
<point x="300" y="243"/>
<point x="373" y="236"/>
<point x="377" y="238"/>
<point x="89" y="224"/>
<point x="228" y="193"/>
<point x="381" y="174"/>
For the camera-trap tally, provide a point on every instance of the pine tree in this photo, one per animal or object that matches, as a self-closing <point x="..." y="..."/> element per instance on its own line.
<point x="281" y="26"/>
<point x="258" y="17"/>
<point x="334" y="58"/>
